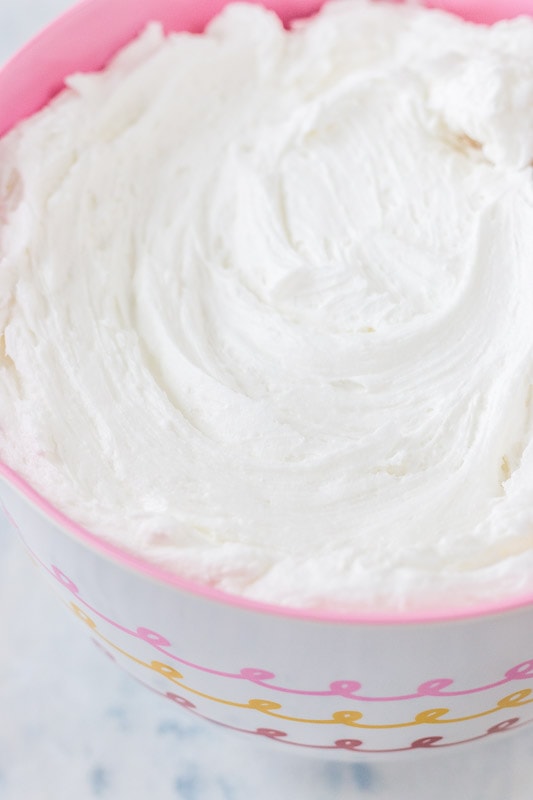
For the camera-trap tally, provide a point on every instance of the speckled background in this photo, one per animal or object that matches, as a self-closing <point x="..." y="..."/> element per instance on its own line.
<point x="73" y="726"/>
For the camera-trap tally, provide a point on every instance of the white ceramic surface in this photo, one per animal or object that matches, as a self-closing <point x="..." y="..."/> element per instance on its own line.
<point x="336" y="689"/>
<point x="88" y="731"/>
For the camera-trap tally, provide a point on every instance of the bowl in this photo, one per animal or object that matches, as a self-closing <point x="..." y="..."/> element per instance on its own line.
<point x="367" y="686"/>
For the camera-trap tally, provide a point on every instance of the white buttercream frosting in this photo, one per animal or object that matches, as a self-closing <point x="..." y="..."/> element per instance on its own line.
<point x="266" y="304"/>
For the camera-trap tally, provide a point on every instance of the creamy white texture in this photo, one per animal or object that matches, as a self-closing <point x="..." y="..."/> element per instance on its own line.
<point x="267" y="305"/>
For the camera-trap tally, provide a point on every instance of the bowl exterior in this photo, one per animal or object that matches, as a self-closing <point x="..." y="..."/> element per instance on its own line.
<point x="339" y="689"/>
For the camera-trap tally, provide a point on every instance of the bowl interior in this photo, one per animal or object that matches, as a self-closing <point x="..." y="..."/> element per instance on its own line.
<point x="84" y="39"/>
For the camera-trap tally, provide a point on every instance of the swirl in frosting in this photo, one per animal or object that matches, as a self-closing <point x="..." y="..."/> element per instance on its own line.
<point x="266" y="305"/>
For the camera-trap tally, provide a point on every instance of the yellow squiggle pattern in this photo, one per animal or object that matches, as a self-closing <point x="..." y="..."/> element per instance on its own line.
<point x="268" y="707"/>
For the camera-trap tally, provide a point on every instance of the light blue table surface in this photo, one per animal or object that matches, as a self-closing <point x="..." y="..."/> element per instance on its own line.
<point x="73" y="726"/>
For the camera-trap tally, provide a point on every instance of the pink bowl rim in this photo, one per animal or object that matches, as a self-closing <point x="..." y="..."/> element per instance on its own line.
<point x="123" y="558"/>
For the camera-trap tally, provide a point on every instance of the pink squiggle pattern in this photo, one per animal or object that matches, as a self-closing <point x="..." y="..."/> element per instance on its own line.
<point x="344" y="688"/>
<point x="353" y="745"/>
<point x="347" y="689"/>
